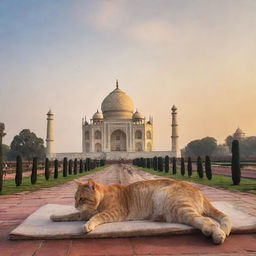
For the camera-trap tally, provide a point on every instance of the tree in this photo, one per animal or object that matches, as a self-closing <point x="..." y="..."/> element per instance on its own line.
<point x="166" y="163"/>
<point x="189" y="167"/>
<point x="27" y="145"/>
<point x="6" y="152"/>
<point x="235" y="167"/>
<point x="18" y="176"/>
<point x="34" y="171"/>
<point x="182" y="166"/>
<point x="208" y="168"/>
<point x="148" y="163"/>
<point x="47" y="169"/>
<point x="70" y="166"/>
<point x="81" y="166"/>
<point x="155" y="163"/>
<point x="160" y="162"/>
<point x="65" y="167"/>
<point x="200" y="168"/>
<point x="205" y="146"/>
<point x="75" y="166"/>
<point x="56" y="167"/>
<point x="174" y="165"/>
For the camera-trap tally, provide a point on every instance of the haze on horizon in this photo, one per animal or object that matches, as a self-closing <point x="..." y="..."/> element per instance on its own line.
<point x="65" y="55"/>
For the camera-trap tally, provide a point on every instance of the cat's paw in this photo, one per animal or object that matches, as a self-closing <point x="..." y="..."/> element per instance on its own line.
<point x="88" y="227"/>
<point x="218" y="236"/>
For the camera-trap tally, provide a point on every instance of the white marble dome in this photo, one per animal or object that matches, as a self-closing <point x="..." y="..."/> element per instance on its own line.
<point x="117" y="105"/>
<point x="97" y="116"/>
<point x="137" y="115"/>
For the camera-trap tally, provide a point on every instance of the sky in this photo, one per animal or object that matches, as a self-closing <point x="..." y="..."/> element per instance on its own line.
<point x="65" y="55"/>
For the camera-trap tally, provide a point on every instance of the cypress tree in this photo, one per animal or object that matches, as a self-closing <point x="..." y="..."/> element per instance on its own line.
<point x="47" y="169"/>
<point x="174" y="165"/>
<point x="166" y="164"/>
<point x="81" y="166"/>
<point x="89" y="164"/>
<point x="160" y="165"/>
<point x="189" y="167"/>
<point x="148" y="163"/>
<point x="65" y="167"/>
<point x="34" y="171"/>
<point x="155" y="163"/>
<point x="235" y="166"/>
<point x="75" y="166"/>
<point x="85" y="165"/>
<point x="144" y="163"/>
<point x="56" y="167"/>
<point x="18" y="176"/>
<point x="208" y="168"/>
<point x="182" y="166"/>
<point x="200" y="171"/>
<point x="70" y="166"/>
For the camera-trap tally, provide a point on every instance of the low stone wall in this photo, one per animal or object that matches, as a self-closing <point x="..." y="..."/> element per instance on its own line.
<point x="112" y="155"/>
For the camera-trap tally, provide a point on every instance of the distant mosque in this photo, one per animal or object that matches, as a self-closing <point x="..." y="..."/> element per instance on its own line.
<point x="116" y="133"/>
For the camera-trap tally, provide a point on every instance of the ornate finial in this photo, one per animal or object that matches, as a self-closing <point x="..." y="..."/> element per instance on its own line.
<point x="116" y="83"/>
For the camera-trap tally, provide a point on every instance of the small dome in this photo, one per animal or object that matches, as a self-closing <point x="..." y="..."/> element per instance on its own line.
<point x="117" y="105"/>
<point x="174" y="108"/>
<point x="97" y="116"/>
<point x="239" y="134"/>
<point x="137" y="115"/>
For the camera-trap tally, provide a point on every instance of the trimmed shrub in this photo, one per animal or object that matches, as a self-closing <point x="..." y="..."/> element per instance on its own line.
<point x="56" y="167"/>
<point x="88" y="164"/>
<point x="65" y="167"/>
<point x="174" y="165"/>
<point x="235" y="166"/>
<point x="75" y="166"/>
<point x="182" y="166"/>
<point x="160" y="164"/>
<point x="200" y="170"/>
<point x="18" y="176"/>
<point x="81" y="166"/>
<point x="190" y="170"/>
<point x="102" y="162"/>
<point x="143" y="162"/>
<point x="33" y="177"/>
<point x="85" y="165"/>
<point x="155" y="163"/>
<point x="166" y="164"/>
<point x="47" y="169"/>
<point x="70" y="166"/>
<point x="148" y="163"/>
<point x="208" y="168"/>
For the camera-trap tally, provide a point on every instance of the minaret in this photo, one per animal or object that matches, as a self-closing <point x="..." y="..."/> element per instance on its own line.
<point x="175" y="148"/>
<point x="49" y="135"/>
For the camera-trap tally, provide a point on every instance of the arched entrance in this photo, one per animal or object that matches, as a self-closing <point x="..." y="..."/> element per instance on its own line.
<point x="118" y="141"/>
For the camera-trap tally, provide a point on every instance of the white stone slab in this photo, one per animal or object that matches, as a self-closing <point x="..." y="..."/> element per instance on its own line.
<point x="39" y="226"/>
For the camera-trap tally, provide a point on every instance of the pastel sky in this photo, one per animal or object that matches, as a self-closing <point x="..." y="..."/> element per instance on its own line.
<point x="65" y="55"/>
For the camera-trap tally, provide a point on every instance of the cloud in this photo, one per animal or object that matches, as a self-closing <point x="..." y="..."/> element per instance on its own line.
<point x="107" y="15"/>
<point x="152" y="32"/>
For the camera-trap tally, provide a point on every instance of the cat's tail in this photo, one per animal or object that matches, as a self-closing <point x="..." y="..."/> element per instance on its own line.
<point x="222" y="218"/>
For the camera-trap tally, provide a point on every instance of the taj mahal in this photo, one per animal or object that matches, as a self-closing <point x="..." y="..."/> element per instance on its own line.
<point x="117" y="132"/>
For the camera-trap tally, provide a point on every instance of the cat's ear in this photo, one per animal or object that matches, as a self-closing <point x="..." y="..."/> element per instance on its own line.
<point x="79" y="182"/>
<point x="91" y="184"/>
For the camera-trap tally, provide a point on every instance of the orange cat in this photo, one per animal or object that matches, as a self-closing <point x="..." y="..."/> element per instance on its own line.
<point x="157" y="200"/>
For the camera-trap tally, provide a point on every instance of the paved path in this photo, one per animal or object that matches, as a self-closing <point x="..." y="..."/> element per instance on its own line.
<point x="14" y="209"/>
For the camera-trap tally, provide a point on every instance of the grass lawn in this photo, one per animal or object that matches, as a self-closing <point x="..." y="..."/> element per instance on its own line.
<point x="219" y="181"/>
<point x="9" y="186"/>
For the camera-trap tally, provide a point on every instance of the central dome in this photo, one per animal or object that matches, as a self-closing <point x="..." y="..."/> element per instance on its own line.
<point x="117" y="105"/>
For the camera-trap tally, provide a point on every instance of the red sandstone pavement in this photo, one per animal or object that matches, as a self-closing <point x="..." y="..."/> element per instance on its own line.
<point x="14" y="209"/>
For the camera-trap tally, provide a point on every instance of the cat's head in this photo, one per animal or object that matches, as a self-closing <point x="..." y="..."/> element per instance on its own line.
<point x="87" y="196"/>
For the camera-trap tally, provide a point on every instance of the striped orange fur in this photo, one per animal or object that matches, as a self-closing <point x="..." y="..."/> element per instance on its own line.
<point x="157" y="200"/>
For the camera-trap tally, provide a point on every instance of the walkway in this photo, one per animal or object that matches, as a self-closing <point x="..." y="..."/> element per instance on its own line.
<point x="14" y="209"/>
